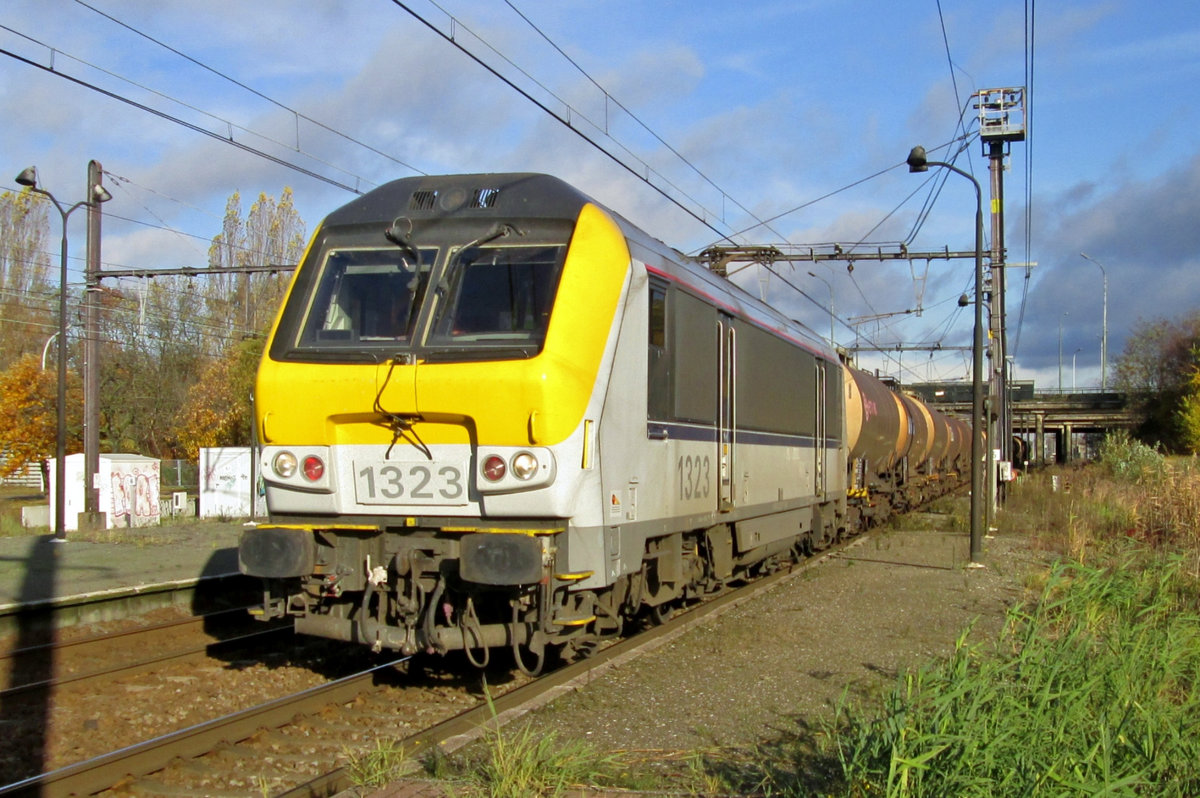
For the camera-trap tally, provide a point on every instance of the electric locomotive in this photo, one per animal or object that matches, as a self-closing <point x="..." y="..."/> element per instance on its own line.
<point x="493" y="413"/>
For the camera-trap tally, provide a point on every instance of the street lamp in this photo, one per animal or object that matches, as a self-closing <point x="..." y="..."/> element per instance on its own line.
<point x="46" y="348"/>
<point x="96" y="194"/>
<point x="1074" y="355"/>
<point x="832" y="345"/>
<point x="918" y="161"/>
<point x="1104" y="324"/>
<point x="1065" y="313"/>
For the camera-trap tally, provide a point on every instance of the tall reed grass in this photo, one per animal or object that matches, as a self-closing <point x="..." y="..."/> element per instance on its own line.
<point x="1092" y="691"/>
<point x="1132" y="492"/>
<point x="1094" y="687"/>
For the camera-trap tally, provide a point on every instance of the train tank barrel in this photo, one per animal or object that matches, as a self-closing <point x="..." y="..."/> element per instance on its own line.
<point x="943" y="438"/>
<point x="922" y="431"/>
<point x="959" y="456"/>
<point x="877" y="420"/>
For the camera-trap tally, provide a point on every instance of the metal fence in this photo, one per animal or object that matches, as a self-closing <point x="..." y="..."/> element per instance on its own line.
<point x="28" y="477"/>
<point x="180" y="475"/>
<point x="176" y="475"/>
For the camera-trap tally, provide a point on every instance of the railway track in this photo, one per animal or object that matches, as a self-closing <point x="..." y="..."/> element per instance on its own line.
<point x="298" y="745"/>
<point x="97" y="656"/>
<point x="83" y="692"/>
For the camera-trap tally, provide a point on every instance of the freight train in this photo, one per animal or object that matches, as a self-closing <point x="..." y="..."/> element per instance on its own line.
<point x="495" y="414"/>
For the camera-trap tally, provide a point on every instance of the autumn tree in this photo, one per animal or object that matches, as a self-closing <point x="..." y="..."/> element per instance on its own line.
<point x="172" y="342"/>
<point x="29" y="417"/>
<point x="27" y="291"/>
<point x="156" y="345"/>
<point x="1189" y="411"/>
<point x="1155" y="370"/>
<point x="217" y="409"/>
<point x="272" y="233"/>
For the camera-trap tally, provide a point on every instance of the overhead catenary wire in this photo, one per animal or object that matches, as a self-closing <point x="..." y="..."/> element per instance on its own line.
<point x="766" y="224"/>
<point x="278" y="160"/>
<point x="962" y="142"/>
<point x="290" y="110"/>
<point x="230" y="125"/>
<point x="297" y="114"/>
<point x="950" y="61"/>
<point x="609" y="98"/>
<point x="41" y="257"/>
<point x="1030" y="51"/>
<point x="566" y="122"/>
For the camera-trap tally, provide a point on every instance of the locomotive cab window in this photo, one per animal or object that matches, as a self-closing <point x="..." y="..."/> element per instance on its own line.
<point x="681" y="357"/>
<point x="497" y="295"/>
<point x="365" y="296"/>
<point x="658" y="361"/>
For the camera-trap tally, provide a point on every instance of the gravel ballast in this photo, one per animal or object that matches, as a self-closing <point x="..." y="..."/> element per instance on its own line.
<point x="848" y="625"/>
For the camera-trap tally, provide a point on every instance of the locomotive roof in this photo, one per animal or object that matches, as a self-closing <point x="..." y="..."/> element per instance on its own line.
<point x="486" y="195"/>
<point x="504" y="196"/>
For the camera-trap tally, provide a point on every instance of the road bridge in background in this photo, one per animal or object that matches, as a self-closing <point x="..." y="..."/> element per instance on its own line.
<point x="1072" y="422"/>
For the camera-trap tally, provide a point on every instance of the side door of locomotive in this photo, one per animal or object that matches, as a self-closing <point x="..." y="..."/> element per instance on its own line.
<point x="685" y="390"/>
<point x="821" y="442"/>
<point x="726" y="454"/>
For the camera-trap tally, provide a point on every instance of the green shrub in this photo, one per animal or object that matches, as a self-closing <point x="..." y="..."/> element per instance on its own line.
<point x="1128" y="459"/>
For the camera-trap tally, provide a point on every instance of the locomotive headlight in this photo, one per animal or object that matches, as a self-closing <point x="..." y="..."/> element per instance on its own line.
<point x="314" y="468"/>
<point x="285" y="464"/>
<point x="494" y="468"/>
<point x="511" y="470"/>
<point x="524" y="465"/>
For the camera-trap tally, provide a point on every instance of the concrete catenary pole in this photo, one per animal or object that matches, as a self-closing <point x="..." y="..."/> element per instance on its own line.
<point x="93" y="518"/>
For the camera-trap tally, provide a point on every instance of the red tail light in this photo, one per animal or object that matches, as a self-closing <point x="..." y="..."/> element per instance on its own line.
<point x="494" y="468"/>
<point x="314" y="469"/>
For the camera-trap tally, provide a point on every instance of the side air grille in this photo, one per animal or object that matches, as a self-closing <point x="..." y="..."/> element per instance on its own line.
<point x="484" y="197"/>
<point x="423" y="200"/>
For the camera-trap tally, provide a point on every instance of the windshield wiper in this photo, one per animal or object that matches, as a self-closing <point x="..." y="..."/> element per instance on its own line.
<point x="501" y="230"/>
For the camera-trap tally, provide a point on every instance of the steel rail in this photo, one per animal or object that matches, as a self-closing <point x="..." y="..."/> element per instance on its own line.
<point x="102" y="772"/>
<point x="134" y="667"/>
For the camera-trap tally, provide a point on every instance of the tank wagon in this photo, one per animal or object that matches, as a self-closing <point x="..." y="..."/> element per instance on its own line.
<point x="494" y="413"/>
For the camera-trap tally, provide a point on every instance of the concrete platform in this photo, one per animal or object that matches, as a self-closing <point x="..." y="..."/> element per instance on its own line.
<point x="36" y="571"/>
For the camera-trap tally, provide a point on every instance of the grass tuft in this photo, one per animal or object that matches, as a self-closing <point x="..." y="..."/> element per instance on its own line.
<point x="376" y="766"/>
<point x="518" y="763"/>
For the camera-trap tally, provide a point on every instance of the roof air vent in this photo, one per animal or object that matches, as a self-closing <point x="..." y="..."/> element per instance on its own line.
<point x="423" y="200"/>
<point x="484" y="197"/>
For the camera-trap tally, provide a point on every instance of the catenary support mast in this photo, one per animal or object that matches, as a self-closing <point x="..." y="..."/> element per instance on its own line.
<point x="1001" y="121"/>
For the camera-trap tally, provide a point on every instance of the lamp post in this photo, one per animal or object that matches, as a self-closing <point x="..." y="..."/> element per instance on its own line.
<point x="832" y="345"/>
<point x="1060" y="322"/>
<point x="96" y="194"/>
<point x="1074" y="355"/>
<point x="1104" y="323"/>
<point x="918" y="161"/>
<point x="46" y="348"/>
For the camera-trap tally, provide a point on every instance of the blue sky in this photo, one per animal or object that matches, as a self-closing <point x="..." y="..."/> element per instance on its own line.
<point x="751" y="109"/>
